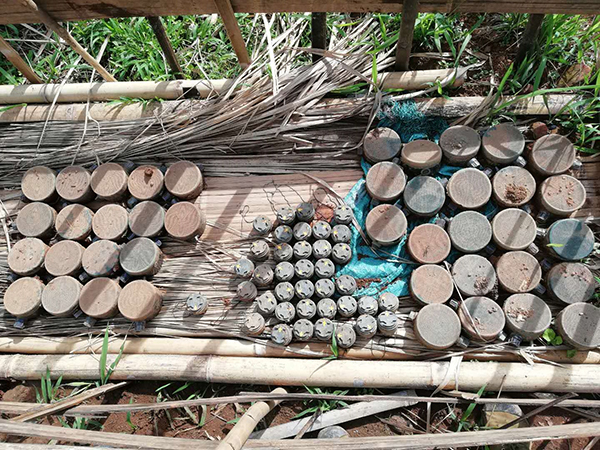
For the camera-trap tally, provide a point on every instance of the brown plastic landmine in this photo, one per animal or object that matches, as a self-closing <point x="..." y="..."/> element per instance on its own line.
<point x="61" y="296"/>
<point x="140" y="300"/>
<point x="437" y="326"/>
<point x="527" y="315"/>
<point x="140" y="257"/>
<point x="74" y="222"/>
<point x="470" y="231"/>
<point x="386" y="225"/>
<point x="111" y="222"/>
<point x="381" y="144"/>
<point x="385" y="181"/>
<point x="64" y="258"/>
<point x="36" y="220"/>
<point x="145" y="182"/>
<point x="469" y="188"/>
<point x="73" y="184"/>
<point x="474" y="275"/>
<point x="421" y="154"/>
<point x="101" y="258"/>
<point x="147" y="219"/>
<point x="39" y="184"/>
<point x="430" y="284"/>
<point x="99" y="298"/>
<point x="513" y="229"/>
<point x="485" y="319"/>
<point x="578" y="324"/>
<point x="502" y="144"/>
<point x="571" y="282"/>
<point x="109" y="181"/>
<point x="562" y="195"/>
<point x="460" y="143"/>
<point x="513" y="186"/>
<point x="184" y="180"/>
<point x="518" y="272"/>
<point x="23" y="298"/>
<point x="185" y="220"/>
<point x="428" y="244"/>
<point x="552" y="154"/>
<point x="27" y="256"/>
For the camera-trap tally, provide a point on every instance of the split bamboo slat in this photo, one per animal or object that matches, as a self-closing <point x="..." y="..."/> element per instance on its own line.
<point x="11" y="54"/>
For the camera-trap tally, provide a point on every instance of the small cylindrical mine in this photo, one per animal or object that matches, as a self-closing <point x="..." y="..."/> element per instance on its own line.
<point x="64" y="258"/>
<point x="562" y="195"/>
<point x="305" y="212"/>
<point x="302" y="231"/>
<point x="322" y="249"/>
<point x="304" y="269"/>
<point x="552" y="154"/>
<point x="139" y="301"/>
<point x="431" y="284"/>
<point x="345" y="285"/>
<point x="578" y="325"/>
<point x="36" y="220"/>
<point x="286" y="215"/>
<point x="343" y="215"/>
<point x="366" y="326"/>
<point x="246" y="291"/>
<point x="184" y="180"/>
<point x="421" y="155"/>
<point x="196" y="304"/>
<point x="303" y="330"/>
<point x="388" y="302"/>
<point x="73" y="184"/>
<point x="244" y="268"/>
<point x="99" y="298"/>
<point x="284" y="292"/>
<point x="147" y="219"/>
<point x="262" y="225"/>
<point x="513" y="186"/>
<point x="140" y="257"/>
<point x="109" y="181"/>
<point x="571" y="282"/>
<point x="285" y="312"/>
<point x="284" y="252"/>
<point x="385" y="181"/>
<point x="324" y="329"/>
<point x="321" y="230"/>
<point x="424" y="196"/>
<point x="386" y="225"/>
<point x="101" y="258"/>
<point x="347" y="306"/>
<point x="185" y="220"/>
<point x="263" y="275"/>
<point x="324" y="288"/>
<point x="341" y="253"/>
<point x="513" y="229"/>
<point x="39" y="184"/>
<point x="381" y="144"/>
<point x="428" y="244"/>
<point x="324" y="268"/>
<point x="345" y="336"/>
<point x="387" y="323"/>
<point x="527" y="315"/>
<point x="284" y="271"/>
<point x="23" y="298"/>
<point x="266" y="303"/>
<point x="111" y="222"/>
<point x="459" y="144"/>
<point x="341" y="234"/>
<point x="428" y="330"/>
<point x="481" y="318"/>
<point x="474" y="275"/>
<point x="470" y="231"/>
<point x="259" y="250"/>
<point x="254" y="324"/>
<point x="27" y="256"/>
<point x="282" y="334"/>
<point x="283" y="234"/>
<point x="502" y="144"/>
<point x="368" y="305"/>
<point x="145" y="182"/>
<point x="326" y="308"/>
<point x="518" y="272"/>
<point x="469" y="188"/>
<point x="304" y="289"/>
<point x="306" y="309"/>
<point x="74" y="222"/>
<point x="61" y="296"/>
<point x="302" y="249"/>
<point x="570" y="239"/>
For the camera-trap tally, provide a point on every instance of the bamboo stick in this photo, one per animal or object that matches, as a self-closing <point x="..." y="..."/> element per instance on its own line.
<point x="11" y="54"/>
<point x="165" y="44"/>
<point x="233" y="31"/>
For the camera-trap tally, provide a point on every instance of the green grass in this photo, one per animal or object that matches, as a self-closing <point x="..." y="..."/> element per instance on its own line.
<point x="321" y="406"/>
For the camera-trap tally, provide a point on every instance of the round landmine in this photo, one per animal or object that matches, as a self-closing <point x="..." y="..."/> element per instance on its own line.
<point x="23" y="298"/>
<point x="259" y="250"/>
<point x="109" y="181"/>
<point x="303" y="330"/>
<point x="140" y="257"/>
<point x="527" y="315"/>
<point x="147" y="219"/>
<point x="470" y="231"/>
<point x="246" y="291"/>
<point x="428" y="244"/>
<point x="341" y="234"/>
<point x="324" y="329"/>
<point x="285" y="312"/>
<point x="139" y="301"/>
<point x="61" y="296"/>
<point x="74" y="222"/>
<point x="145" y="182"/>
<point x="571" y="282"/>
<point x="64" y="258"/>
<point x="282" y="334"/>
<point x="101" y="258"/>
<point x="502" y="144"/>
<point x="306" y="309"/>
<point x="386" y="225"/>
<point x="283" y="252"/>
<point x="368" y="305"/>
<point x="326" y="308"/>
<point x="321" y="230"/>
<point x="302" y="231"/>
<point x="99" y="298"/>
<point x="424" y="196"/>
<point x="485" y="319"/>
<point x="347" y="306"/>
<point x="27" y="256"/>
<point x="381" y="144"/>
<point x="244" y="268"/>
<point x="184" y="180"/>
<point x="284" y="292"/>
<point x="302" y="249"/>
<point x="345" y="285"/>
<point x="304" y="289"/>
<point x="469" y="188"/>
<point x="578" y="325"/>
<point x="283" y="234"/>
<point x="263" y="275"/>
<point x="341" y="253"/>
<point x="431" y="284"/>
<point x="265" y="304"/>
<point x="518" y="272"/>
<point x="343" y="215"/>
<point x="254" y="324"/>
<point x="196" y="304"/>
<point x="385" y="181"/>
<point x="388" y="302"/>
<point x="513" y="186"/>
<point x="305" y="212"/>
<point x="474" y="275"/>
<point x="39" y="184"/>
<point x="387" y="323"/>
<point x="421" y="154"/>
<point x="570" y="239"/>
<point x="459" y="144"/>
<point x="366" y="326"/>
<point x="552" y="154"/>
<point x="262" y="225"/>
<point x="322" y="249"/>
<point x="111" y="222"/>
<point x="513" y="229"/>
<point x="562" y="195"/>
<point x="36" y="220"/>
<point x="324" y="288"/>
<point x="345" y="336"/>
<point x="285" y="215"/>
<point x="324" y="268"/>
<point x="284" y="271"/>
<point x="428" y="330"/>
<point x="73" y="183"/>
<point x="184" y="220"/>
<point x="304" y="269"/>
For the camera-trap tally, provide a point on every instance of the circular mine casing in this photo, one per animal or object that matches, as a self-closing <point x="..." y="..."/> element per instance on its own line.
<point x="366" y="326"/>
<point x="246" y="291"/>
<point x="139" y="301"/>
<point x="26" y="257"/>
<point x="36" y="220"/>
<point x="99" y="298"/>
<point x="23" y="298"/>
<point x="196" y="304"/>
<point x="470" y="231"/>
<point x="341" y="234"/>
<point x="387" y="323"/>
<point x="428" y="330"/>
<point x="552" y="154"/>
<point x="259" y="250"/>
<point x="140" y="257"/>
<point x="502" y="144"/>
<point x="283" y="252"/>
<point x="570" y="282"/>
<point x="306" y="309"/>
<point x="284" y="271"/>
<point x="305" y="212"/>
<point x="244" y="268"/>
<point x="61" y="296"/>
<point x="388" y="302"/>
<point x="513" y="229"/>
<point x="303" y="330"/>
<point x="428" y="244"/>
<point x="424" y="196"/>
<point x="74" y="222"/>
<point x="326" y="308"/>
<point x="578" y="325"/>
<point x="285" y="312"/>
<point x="381" y="144"/>
<point x="39" y="184"/>
<point x="459" y="144"/>
<point x="321" y="230"/>
<point x="562" y="195"/>
<point x="345" y="336"/>
<point x="421" y="155"/>
<point x="263" y="275"/>
<point x="485" y="319"/>
<point x="347" y="306"/>
<point x="304" y="269"/>
<point x="343" y="215"/>
<point x="513" y="186"/>
<point x="185" y="220"/>
<point x="474" y="275"/>
<point x="147" y="219"/>
<point x="570" y="239"/>
<point x="254" y="324"/>
<point x="527" y="315"/>
<point x="518" y="272"/>
<point x="302" y="231"/>
<point x="262" y="225"/>
<point x="64" y="258"/>
<point x="101" y="258"/>
<point x="283" y="234"/>
<point x="284" y="292"/>
<point x="73" y="184"/>
<point x="386" y="225"/>
<point x="431" y="284"/>
<point x="385" y="181"/>
<point x="322" y="249"/>
<point x="324" y="268"/>
<point x="304" y="289"/>
<point x="324" y="288"/>
<point x="324" y="329"/>
<point x="184" y="180"/>
<point x="282" y="334"/>
<point x="265" y="304"/>
<point x="109" y="181"/>
<point x="341" y="253"/>
<point x="111" y="222"/>
<point x="345" y="285"/>
<point x="145" y="182"/>
<point x="368" y="305"/>
<point x="469" y="188"/>
<point x="285" y="215"/>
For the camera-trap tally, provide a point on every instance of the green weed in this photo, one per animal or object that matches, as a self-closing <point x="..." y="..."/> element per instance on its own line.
<point x="321" y="406"/>
<point x="106" y="372"/>
<point x="49" y="391"/>
<point x="551" y="337"/>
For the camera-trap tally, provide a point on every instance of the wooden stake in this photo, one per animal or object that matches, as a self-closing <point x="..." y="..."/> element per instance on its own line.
<point x="410" y="10"/>
<point x="532" y="30"/>
<point x="165" y="44"/>
<point x="318" y="33"/>
<point x="233" y="31"/>
<point x="16" y="60"/>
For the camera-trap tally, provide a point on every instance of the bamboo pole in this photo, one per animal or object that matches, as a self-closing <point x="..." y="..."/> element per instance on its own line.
<point x="15" y="59"/>
<point x="410" y="11"/>
<point x="233" y="31"/>
<point x="165" y="44"/>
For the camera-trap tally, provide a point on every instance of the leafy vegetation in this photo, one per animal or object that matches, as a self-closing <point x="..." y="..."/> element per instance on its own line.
<point x="321" y="406"/>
